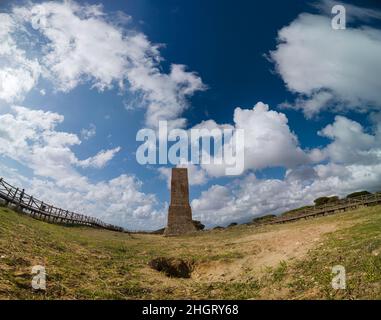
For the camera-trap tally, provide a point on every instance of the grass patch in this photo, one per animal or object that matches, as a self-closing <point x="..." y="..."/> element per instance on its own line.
<point x="357" y="248"/>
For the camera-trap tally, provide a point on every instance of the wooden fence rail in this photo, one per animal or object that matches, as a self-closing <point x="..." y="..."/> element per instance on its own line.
<point x="43" y="211"/>
<point x="331" y="208"/>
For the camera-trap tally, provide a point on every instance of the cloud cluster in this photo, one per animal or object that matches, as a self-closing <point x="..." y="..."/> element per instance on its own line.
<point x="100" y="160"/>
<point x="268" y="140"/>
<point x="351" y="144"/>
<point x="196" y="175"/>
<point x="77" y="44"/>
<point x="88" y="133"/>
<point x="327" y="68"/>
<point x="70" y="44"/>
<point x="352" y="163"/>
<point x="30" y="137"/>
<point x="18" y="73"/>
<point x="352" y="12"/>
<point x="119" y="201"/>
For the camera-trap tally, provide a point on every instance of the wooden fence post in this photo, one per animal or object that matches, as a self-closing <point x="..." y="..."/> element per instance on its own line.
<point x="14" y="196"/>
<point x="20" y="200"/>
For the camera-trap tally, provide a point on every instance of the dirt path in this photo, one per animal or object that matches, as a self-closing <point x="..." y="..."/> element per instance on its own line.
<point x="266" y="249"/>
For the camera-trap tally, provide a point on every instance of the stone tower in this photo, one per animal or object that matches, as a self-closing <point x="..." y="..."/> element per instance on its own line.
<point x="180" y="212"/>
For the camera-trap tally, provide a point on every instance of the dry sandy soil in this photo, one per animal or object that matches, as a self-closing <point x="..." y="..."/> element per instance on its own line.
<point x="266" y="249"/>
<point x="254" y="253"/>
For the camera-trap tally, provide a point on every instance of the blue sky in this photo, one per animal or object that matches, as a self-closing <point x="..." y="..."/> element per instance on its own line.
<point x="318" y="135"/>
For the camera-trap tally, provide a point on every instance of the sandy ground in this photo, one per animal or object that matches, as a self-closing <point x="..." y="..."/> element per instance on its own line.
<point x="257" y="249"/>
<point x="266" y="249"/>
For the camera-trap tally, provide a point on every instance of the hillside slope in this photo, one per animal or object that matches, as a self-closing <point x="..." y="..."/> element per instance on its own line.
<point x="290" y="261"/>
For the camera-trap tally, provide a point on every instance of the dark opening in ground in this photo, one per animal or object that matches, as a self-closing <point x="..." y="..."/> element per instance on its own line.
<point x="172" y="267"/>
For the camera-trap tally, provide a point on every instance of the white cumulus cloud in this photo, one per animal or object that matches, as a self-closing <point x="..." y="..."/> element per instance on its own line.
<point x="78" y="43"/>
<point x="87" y="133"/>
<point x="30" y="138"/>
<point x="352" y="163"/>
<point x="268" y="140"/>
<point x="327" y="68"/>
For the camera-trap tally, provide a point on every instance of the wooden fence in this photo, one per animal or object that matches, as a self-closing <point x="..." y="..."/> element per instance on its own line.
<point x="332" y="208"/>
<point x="38" y="209"/>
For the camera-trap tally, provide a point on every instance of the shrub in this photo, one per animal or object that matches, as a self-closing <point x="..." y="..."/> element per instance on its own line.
<point x="198" y="225"/>
<point x="358" y="194"/>
<point x="265" y="218"/>
<point x="324" y="200"/>
<point x="232" y="224"/>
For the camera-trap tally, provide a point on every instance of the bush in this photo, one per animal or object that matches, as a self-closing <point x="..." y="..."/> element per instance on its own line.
<point x="265" y="218"/>
<point x="159" y="231"/>
<point x="296" y="212"/>
<point x="233" y="224"/>
<point x="198" y="225"/>
<point x="334" y="199"/>
<point x="320" y="201"/>
<point x="358" y="194"/>
<point x="324" y="200"/>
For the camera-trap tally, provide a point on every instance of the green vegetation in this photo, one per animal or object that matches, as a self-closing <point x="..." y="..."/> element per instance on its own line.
<point x="324" y="200"/>
<point x="243" y="262"/>
<point x="357" y="248"/>
<point x="358" y="194"/>
<point x="296" y="212"/>
<point x="265" y="218"/>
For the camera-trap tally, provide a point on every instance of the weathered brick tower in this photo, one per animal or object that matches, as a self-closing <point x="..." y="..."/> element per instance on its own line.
<point x="180" y="212"/>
